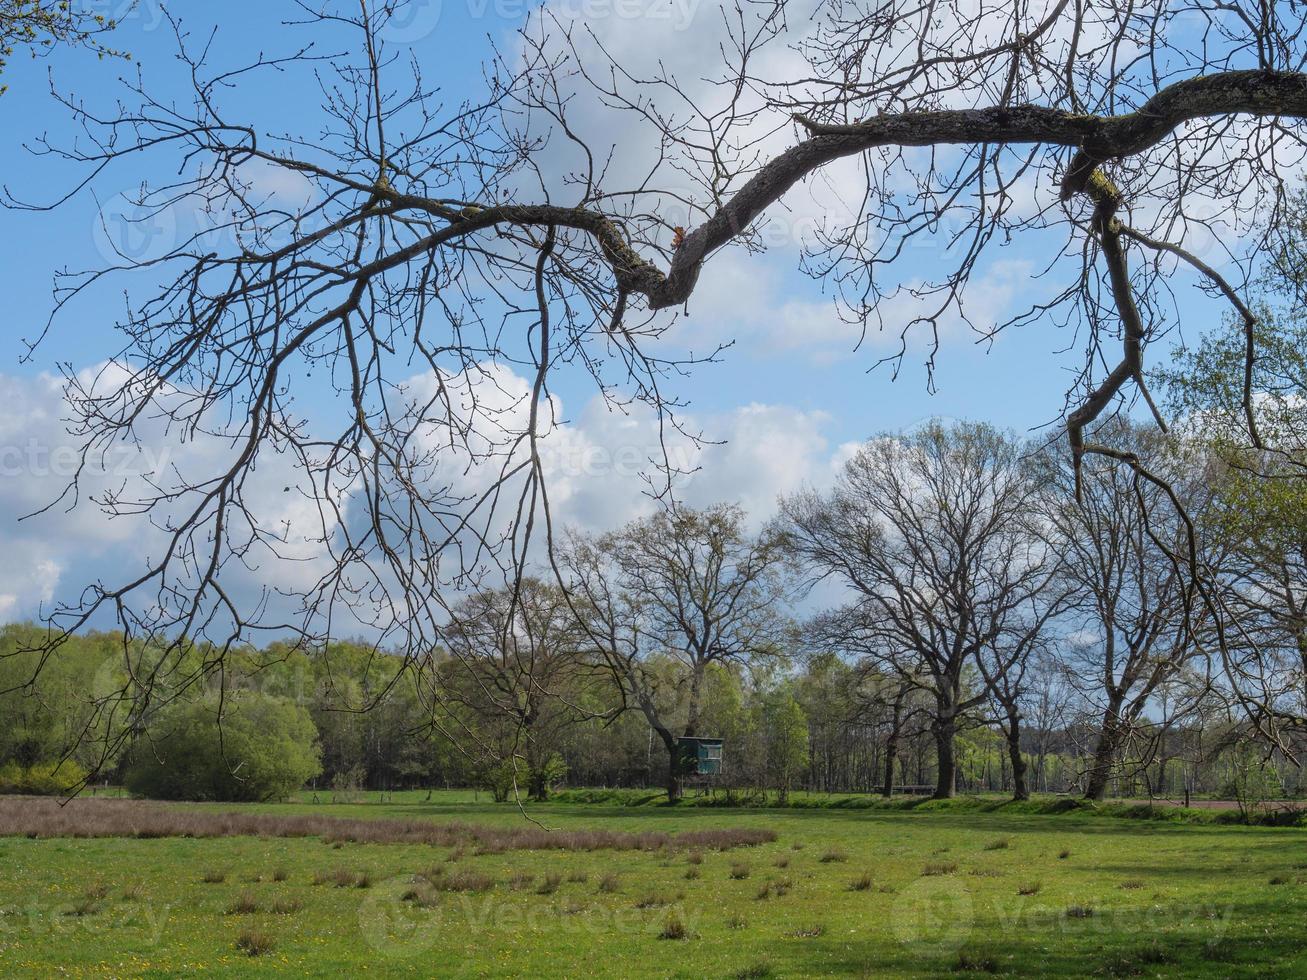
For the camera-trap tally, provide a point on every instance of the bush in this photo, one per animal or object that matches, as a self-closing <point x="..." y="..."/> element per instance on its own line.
<point x="265" y="749"/>
<point x="42" y="779"/>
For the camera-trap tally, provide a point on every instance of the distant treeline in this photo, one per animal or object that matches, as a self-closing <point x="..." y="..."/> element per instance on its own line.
<point x="348" y="718"/>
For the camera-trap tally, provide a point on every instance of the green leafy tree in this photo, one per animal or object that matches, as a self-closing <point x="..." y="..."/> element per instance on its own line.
<point x="786" y="738"/>
<point x="1239" y="393"/>
<point x="246" y="747"/>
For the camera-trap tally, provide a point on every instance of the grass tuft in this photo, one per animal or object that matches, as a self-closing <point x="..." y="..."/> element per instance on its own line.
<point x="969" y="961"/>
<point x="862" y="883"/>
<point x="84" y="906"/>
<point x="739" y="871"/>
<point x="244" y="904"/>
<point x="464" y="881"/>
<point x="549" y="883"/>
<point x="939" y="868"/>
<point x="674" y="927"/>
<point x="814" y="931"/>
<point x="255" y="942"/>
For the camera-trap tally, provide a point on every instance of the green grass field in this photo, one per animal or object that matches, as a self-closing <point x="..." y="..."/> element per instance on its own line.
<point x="840" y="892"/>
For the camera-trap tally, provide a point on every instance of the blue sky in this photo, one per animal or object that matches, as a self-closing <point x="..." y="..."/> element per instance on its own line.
<point x="790" y="392"/>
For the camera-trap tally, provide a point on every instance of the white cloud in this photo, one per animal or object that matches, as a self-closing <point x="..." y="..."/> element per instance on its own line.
<point x="596" y="468"/>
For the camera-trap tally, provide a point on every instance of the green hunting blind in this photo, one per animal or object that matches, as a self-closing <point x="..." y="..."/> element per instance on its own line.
<point x="699" y="756"/>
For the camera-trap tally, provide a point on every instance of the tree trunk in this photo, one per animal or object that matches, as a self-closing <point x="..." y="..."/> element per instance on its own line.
<point x="892" y="744"/>
<point x="1019" y="789"/>
<point x="673" y="770"/>
<point x="945" y="753"/>
<point x="692" y="707"/>
<point x="891" y="756"/>
<point x="1100" y="771"/>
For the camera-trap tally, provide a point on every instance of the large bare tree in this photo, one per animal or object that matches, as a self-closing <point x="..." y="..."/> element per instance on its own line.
<point x="930" y="531"/>
<point x="1139" y="619"/>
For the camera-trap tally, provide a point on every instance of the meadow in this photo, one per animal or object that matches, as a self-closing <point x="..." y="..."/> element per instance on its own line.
<point x="452" y="885"/>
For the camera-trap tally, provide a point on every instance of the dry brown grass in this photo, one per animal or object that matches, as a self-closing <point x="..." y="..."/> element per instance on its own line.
<point x="464" y="881"/>
<point x="35" y="817"/>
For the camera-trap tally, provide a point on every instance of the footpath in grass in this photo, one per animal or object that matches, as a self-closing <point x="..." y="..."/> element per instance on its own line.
<point x="838" y="892"/>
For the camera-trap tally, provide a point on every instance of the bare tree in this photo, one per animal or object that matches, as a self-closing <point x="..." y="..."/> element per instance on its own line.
<point x="683" y="590"/>
<point x="1004" y="663"/>
<point x="929" y="530"/>
<point x="466" y="238"/>
<point x="1139" y="617"/>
